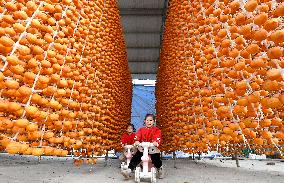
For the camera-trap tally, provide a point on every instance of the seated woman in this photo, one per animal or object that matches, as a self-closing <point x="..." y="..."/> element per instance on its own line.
<point x="127" y="139"/>
<point x="149" y="133"/>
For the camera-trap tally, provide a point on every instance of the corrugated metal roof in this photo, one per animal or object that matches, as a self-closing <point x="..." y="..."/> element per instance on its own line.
<point x="140" y="54"/>
<point x="149" y="4"/>
<point x="142" y="40"/>
<point x="142" y="22"/>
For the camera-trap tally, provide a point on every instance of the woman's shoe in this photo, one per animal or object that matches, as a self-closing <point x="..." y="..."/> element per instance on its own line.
<point x="161" y="172"/>
<point x="126" y="173"/>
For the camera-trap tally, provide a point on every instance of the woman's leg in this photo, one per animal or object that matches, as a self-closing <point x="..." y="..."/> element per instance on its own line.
<point x="156" y="160"/>
<point x="122" y="158"/>
<point x="136" y="159"/>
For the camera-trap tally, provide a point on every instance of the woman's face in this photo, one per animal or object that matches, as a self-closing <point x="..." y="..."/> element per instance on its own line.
<point x="129" y="129"/>
<point x="149" y="121"/>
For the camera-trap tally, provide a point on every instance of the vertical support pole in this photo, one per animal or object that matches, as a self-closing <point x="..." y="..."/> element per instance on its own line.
<point x="72" y="152"/>
<point x="39" y="159"/>
<point x="106" y="158"/>
<point x="175" y="157"/>
<point x="237" y="159"/>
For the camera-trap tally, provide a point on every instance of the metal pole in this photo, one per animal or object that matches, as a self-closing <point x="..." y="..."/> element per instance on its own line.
<point x="175" y="157"/>
<point x="39" y="158"/>
<point x="106" y="158"/>
<point x="237" y="159"/>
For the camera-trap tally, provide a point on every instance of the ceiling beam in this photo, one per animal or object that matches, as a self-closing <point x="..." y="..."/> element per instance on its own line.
<point x="140" y="3"/>
<point x="144" y="73"/>
<point x="150" y="54"/>
<point x="142" y="40"/>
<point x="141" y="11"/>
<point x="141" y="61"/>
<point x="143" y="67"/>
<point x="151" y="32"/>
<point x="141" y="32"/>
<point x="142" y="47"/>
<point x="144" y="76"/>
<point x="146" y="24"/>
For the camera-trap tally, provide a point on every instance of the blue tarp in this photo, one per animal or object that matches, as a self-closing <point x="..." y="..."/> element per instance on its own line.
<point x="143" y="102"/>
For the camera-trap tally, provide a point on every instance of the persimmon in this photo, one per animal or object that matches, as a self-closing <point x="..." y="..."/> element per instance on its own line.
<point x="251" y="5"/>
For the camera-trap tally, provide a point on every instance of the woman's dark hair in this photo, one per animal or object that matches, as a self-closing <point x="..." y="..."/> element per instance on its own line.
<point x="134" y="130"/>
<point x="150" y="115"/>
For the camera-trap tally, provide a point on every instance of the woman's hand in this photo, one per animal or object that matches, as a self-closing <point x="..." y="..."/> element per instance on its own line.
<point x="155" y="144"/>
<point x="136" y="143"/>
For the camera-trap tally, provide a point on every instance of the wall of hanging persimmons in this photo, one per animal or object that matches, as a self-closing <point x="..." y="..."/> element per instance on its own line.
<point x="65" y="87"/>
<point x="220" y="83"/>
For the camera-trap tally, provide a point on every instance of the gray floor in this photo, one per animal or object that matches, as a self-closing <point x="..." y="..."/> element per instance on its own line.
<point x="15" y="169"/>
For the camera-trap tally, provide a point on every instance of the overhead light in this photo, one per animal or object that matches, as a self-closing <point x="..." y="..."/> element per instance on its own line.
<point x="149" y="85"/>
<point x="147" y="82"/>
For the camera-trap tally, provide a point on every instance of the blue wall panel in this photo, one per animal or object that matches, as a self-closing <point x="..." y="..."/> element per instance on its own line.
<point x="143" y="102"/>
